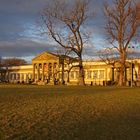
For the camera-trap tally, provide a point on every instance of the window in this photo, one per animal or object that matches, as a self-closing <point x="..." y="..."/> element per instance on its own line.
<point x="101" y="76"/>
<point x="13" y="76"/>
<point x="18" y="76"/>
<point x="89" y="74"/>
<point x="95" y="74"/>
<point x="10" y="76"/>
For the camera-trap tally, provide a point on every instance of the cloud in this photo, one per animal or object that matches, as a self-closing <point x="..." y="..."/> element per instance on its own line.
<point x="19" y="36"/>
<point x="24" y="48"/>
<point x="17" y="16"/>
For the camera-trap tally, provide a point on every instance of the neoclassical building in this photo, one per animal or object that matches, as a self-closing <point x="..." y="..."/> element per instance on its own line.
<point x="48" y="68"/>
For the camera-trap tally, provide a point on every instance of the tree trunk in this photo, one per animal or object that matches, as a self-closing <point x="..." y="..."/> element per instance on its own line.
<point x="121" y="77"/>
<point x="62" y="78"/>
<point x="113" y="74"/>
<point x="68" y="78"/>
<point x="122" y="70"/>
<point x="81" y="80"/>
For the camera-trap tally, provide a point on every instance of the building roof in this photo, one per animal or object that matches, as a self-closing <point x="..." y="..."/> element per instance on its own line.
<point x="45" y="56"/>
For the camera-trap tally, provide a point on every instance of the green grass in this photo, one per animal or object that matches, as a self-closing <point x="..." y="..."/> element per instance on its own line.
<point x="69" y="113"/>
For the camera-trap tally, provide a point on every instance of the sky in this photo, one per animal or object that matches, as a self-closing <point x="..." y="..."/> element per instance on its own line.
<point x="20" y="34"/>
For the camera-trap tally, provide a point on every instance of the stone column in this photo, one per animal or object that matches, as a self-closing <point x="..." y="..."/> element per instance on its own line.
<point x="53" y="70"/>
<point x="106" y="77"/>
<point x="20" y="79"/>
<point x="46" y="70"/>
<point x="33" y="72"/>
<point x="50" y="72"/>
<point x="125" y="74"/>
<point x="38" y="72"/>
<point x="112" y="73"/>
<point x="43" y="72"/>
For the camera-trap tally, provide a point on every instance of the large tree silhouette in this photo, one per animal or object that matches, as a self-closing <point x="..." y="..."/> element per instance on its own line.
<point x="65" y="22"/>
<point x="122" y="26"/>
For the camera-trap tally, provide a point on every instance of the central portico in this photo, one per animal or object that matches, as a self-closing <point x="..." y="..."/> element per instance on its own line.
<point x="46" y="67"/>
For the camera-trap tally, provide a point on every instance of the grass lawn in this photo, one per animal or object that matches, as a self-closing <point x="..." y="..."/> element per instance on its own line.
<point x="69" y="113"/>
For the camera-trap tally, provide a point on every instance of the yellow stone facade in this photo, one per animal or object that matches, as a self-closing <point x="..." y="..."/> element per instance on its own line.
<point x="46" y="68"/>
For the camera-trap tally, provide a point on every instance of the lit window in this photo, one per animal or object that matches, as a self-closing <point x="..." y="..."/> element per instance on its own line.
<point x="18" y="76"/>
<point x="89" y="74"/>
<point x="101" y="76"/>
<point x="95" y="74"/>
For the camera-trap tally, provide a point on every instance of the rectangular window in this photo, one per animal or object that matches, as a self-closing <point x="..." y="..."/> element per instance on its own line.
<point x="95" y="74"/>
<point x="13" y="76"/>
<point x="18" y="76"/>
<point x="89" y="74"/>
<point x="10" y="76"/>
<point x="101" y="74"/>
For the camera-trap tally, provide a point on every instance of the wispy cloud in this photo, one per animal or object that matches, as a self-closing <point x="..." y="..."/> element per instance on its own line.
<point x="20" y="35"/>
<point x="24" y="48"/>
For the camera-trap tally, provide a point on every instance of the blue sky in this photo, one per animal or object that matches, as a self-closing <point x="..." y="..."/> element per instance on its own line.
<point x="19" y="29"/>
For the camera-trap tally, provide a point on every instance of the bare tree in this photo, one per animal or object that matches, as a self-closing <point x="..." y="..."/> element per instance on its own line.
<point x="64" y="21"/>
<point x="138" y="12"/>
<point x="6" y="63"/>
<point x="108" y="55"/>
<point x="122" y="26"/>
<point x="138" y="19"/>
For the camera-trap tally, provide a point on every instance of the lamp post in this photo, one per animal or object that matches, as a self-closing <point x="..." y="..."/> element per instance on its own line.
<point x="132" y="73"/>
<point x="61" y="61"/>
<point x="131" y="52"/>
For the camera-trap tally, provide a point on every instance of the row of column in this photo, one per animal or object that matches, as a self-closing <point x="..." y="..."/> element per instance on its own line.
<point x="44" y="69"/>
<point x="18" y="77"/>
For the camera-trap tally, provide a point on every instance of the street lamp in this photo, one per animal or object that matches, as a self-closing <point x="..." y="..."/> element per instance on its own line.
<point x="131" y="52"/>
<point x="132" y="73"/>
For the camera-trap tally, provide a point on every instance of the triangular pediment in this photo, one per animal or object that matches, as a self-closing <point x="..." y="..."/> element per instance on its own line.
<point x="45" y="56"/>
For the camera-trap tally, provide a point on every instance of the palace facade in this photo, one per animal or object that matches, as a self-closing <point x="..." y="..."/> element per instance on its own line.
<point x="48" y="68"/>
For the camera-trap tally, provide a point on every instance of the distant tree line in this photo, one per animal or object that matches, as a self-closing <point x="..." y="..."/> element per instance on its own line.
<point x="7" y="62"/>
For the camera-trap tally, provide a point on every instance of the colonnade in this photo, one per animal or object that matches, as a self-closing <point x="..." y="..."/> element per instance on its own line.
<point x="44" y="71"/>
<point x="14" y="77"/>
